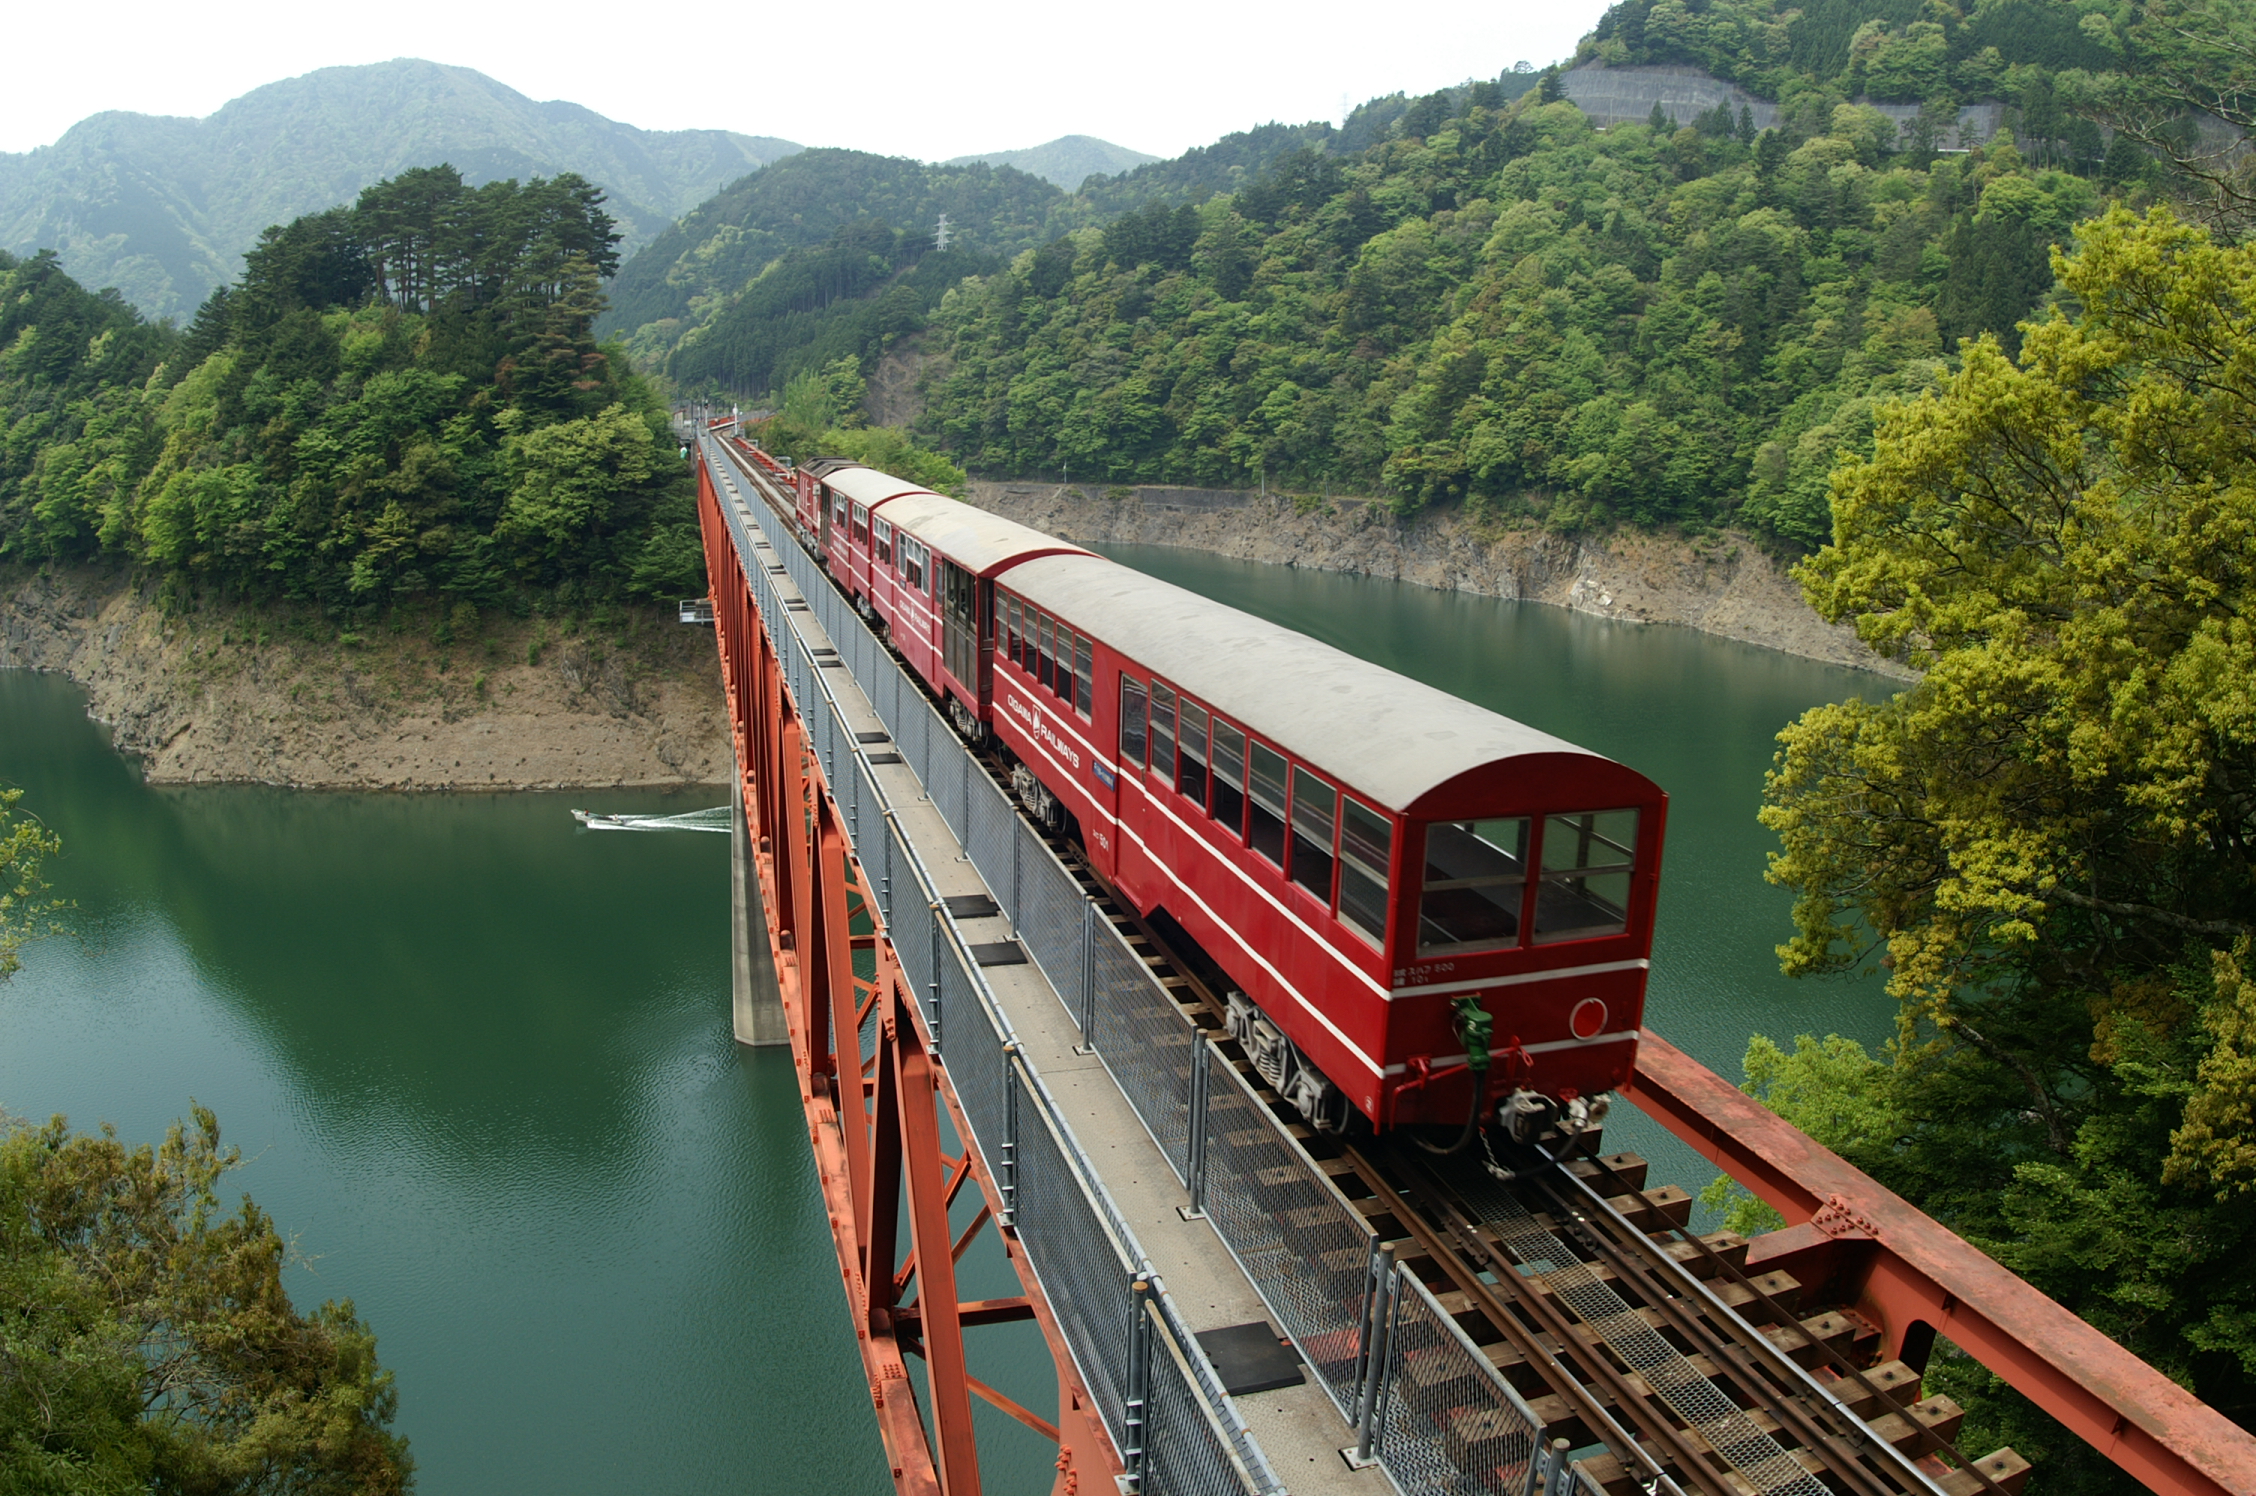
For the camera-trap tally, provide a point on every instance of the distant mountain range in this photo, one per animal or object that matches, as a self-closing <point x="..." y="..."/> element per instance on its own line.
<point x="1068" y="160"/>
<point x="162" y="207"/>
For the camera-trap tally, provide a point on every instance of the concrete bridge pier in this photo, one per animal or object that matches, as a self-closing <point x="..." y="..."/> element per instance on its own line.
<point x="755" y="1000"/>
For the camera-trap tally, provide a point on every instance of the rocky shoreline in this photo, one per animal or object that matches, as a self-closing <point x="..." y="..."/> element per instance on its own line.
<point x="216" y="694"/>
<point x="1723" y="585"/>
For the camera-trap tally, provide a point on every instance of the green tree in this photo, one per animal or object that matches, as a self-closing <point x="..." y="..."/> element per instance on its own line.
<point x="149" y="1344"/>
<point x="2050" y="840"/>
<point x="25" y="911"/>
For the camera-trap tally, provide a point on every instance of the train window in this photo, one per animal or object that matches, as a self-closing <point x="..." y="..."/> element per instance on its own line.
<point x="1229" y="777"/>
<point x="1163" y="730"/>
<point x="1190" y="759"/>
<point x="1366" y="847"/>
<point x="1064" y="683"/>
<point x="1266" y="828"/>
<point x="861" y="523"/>
<point x="1131" y="720"/>
<point x="1084" y="677"/>
<point x="1587" y="860"/>
<point x="882" y="534"/>
<point x="1043" y="645"/>
<point x="1315" y="811"/>
<point x="1011" y="621"/>
<point x="912" y="563"/>
<point x="1476" y="874"/>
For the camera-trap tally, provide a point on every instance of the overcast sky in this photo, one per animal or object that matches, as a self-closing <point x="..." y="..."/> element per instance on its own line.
<point x="927" y="80"/>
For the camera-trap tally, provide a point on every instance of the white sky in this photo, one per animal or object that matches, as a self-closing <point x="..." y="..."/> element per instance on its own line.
<point x="927" y="80"/>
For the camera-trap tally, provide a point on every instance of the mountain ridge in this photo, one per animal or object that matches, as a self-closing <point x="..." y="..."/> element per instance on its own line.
<point x="163" y="206"/>
<point x="1065" y="162"/>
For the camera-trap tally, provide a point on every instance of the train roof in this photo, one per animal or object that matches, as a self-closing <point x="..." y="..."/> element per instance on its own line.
<point x="1323" y="706"/>
<point x="972" y="538"/>
<point x="867" y="486"/>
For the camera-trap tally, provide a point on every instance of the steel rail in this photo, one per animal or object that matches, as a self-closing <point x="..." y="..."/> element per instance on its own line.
<point x="1930" y="1441"/>
<point x="1727" y="1340"/>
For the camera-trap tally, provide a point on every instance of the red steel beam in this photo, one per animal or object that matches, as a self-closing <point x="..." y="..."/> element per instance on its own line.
<point x="875" y="1136"/>
<point x="1912" y="1275"/>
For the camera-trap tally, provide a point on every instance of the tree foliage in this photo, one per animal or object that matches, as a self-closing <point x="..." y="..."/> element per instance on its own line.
<point x="26" y="913"/>
<point x="377" y="411"/>
<point x="2048" y="840"/>
<point x="147" y="1341"/>
<point x="1515" y="309"/>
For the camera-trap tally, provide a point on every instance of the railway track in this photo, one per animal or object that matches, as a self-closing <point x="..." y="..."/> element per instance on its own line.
<point x="1657" y="1360"/>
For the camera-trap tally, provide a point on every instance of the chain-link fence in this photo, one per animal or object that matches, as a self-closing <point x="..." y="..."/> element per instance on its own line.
<point x="991" y="840"/>
<point x="1448" y="1423"/>
<point x="1305" y="1249"/>
<point x="1053" y="920"/>
<point x="1188" y="1447"/>
<point x="1144" y="1040"/>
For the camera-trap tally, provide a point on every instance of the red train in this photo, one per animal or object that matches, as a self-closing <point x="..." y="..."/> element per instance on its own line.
<point x="1392" y="878"/>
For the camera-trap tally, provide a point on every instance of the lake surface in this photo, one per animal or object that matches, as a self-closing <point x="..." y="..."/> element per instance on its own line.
<point x="479" y="1061"/>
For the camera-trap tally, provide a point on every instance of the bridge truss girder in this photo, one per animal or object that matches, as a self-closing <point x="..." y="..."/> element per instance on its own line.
<point x="875" y="1122"/>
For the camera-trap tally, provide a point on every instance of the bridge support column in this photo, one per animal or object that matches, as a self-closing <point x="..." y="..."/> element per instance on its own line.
<point x="755" y="1000"/>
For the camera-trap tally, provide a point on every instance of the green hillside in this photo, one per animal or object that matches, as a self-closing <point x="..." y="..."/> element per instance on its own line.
<point x="812" y="218"/>
<point x="829" y="253"/>
<point x="1677" y="321"/>
<point x="163" y="208"/>
<point x="400" y="400"/>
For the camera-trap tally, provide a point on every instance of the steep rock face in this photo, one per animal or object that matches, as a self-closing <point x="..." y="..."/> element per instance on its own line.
<point x="1723" y="586"/>
<point x="223" y="694"/>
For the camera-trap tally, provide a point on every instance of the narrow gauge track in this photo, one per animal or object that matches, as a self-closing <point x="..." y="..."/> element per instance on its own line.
<point x="1648" y="1351"/>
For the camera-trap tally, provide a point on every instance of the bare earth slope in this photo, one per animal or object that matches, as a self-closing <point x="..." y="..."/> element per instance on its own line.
<point x="1721" y="586"/>
<point x="224" y="693"/>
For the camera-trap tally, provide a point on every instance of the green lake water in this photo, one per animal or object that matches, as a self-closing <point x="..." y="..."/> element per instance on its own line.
<point x="479" y="1061"/>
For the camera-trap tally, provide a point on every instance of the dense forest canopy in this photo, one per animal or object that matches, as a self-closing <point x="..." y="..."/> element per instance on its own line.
<point x="1477" y="295"/>
<point x="1651" y="323"/>
<point x="399" y="398"/>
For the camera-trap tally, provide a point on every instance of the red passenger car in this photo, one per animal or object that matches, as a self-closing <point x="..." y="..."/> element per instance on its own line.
<point x="1360" y="853"/>
<point x="1383" y="872"/>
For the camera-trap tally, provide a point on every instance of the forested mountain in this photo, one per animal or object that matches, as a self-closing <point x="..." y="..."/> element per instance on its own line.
<point x="162" y="208"/>
<point x="1065" y="162"/>
<point x="401" y="399"/>
<point x="1669" y="321"/>
<point x="787" y="242"/>
<point x="828" y="254"/>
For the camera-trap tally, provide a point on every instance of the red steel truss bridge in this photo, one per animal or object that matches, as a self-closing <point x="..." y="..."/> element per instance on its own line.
<point x="987" y="1045"/>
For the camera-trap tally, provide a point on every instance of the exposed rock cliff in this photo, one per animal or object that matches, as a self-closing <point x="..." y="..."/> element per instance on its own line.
<point x="234" y="693"/>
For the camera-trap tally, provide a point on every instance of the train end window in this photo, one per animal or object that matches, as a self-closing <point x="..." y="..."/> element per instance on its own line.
<point x="1366" y="850"/>
<point x="1476" y="877"/>
<point x="1229" y="777"/>
<point x="1162" y="730"/>
<point x="1265" y="825"/>
<point x="1084" y="677"/>
<point x="1190" y="755"/>
<point x="1132" y="736"/>
<point x="1587" y="862"/>
<point x="1315" y="820"/>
